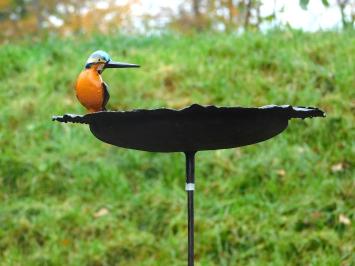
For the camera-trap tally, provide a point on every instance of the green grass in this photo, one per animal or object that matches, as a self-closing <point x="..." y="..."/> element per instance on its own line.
<point x="280" y="202"/>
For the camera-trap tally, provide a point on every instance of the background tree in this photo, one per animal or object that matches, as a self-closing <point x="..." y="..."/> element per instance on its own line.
<point x="347" y="20"/>
<point x="37" y="17"/>
<point x="21" y="17"/>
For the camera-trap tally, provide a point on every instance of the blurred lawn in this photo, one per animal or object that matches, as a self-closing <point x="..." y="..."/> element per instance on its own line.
<point x="68" y="199"/>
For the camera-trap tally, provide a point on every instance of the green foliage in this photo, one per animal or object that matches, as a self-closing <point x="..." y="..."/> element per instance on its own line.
<point x="325" y="3"/>
<point x="304" y="4"/>
<point x="68" y="199"/>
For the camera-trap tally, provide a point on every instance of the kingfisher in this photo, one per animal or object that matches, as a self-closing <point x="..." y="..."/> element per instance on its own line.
<point x="91" y="90"/>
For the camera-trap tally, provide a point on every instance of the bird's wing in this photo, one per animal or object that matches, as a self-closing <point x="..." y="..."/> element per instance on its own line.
<point x="106" y="96"/>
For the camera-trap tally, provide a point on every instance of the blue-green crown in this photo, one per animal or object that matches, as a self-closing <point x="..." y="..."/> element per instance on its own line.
<point x="98" y="57"/>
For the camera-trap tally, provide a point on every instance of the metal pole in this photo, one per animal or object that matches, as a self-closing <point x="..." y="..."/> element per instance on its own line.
<point x="190" y="187"/>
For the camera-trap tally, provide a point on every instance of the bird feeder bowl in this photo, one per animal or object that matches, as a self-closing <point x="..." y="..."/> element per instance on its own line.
<point x="195" y="128"/>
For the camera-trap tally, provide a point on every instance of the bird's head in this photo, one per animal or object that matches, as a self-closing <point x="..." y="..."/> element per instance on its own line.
<point x="100" y="60"/>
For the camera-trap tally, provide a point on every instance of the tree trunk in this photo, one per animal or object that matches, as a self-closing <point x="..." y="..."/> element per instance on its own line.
<point x="231" y="11"/>
<point x="38" y="13"/>
<point x="196" y="8"/>
<point x="258" y="16"/>
<point x="342" y="5"/>
<point x="248" y="7"/>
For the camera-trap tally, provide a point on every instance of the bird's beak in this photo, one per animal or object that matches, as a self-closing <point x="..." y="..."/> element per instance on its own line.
<point x="112" y="64"/>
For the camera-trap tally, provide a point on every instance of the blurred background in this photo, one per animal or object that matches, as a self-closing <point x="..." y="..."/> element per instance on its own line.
<point x="68" y="199"/>
<point x="36" y="17"/>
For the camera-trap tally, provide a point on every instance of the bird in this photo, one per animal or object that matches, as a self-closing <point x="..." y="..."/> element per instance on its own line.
<point x="91" y="90"/>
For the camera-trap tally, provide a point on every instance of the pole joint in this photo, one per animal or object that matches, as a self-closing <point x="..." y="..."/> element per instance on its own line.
<point x="190" y="187"/>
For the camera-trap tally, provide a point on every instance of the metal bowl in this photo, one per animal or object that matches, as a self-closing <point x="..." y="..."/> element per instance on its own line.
<point x="194" y="128"/>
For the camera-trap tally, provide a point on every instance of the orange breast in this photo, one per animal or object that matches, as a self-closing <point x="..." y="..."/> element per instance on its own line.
<point x="89" y="90"/>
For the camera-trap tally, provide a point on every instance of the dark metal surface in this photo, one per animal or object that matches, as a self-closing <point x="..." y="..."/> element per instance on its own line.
<point x="190" y="179"/>
<point x="194" y="128"/>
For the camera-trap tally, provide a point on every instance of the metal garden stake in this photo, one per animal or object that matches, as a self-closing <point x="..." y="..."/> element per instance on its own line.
<point x="195" y="128"/>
